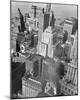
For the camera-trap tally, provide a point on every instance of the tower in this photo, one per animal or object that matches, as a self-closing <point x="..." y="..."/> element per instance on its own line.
<point x="43" y="23"/>
<point x="48" y="8"/>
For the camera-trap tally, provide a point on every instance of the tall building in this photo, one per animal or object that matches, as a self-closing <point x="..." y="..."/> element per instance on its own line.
<point x="70" y="25"/>
<point x="48" y="7"/>
<point x="30" y="87"/>
<point x="74" y="50"/>
<point x="43" y="23"/>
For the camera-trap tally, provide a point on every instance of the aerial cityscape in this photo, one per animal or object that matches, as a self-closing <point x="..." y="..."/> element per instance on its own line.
<point x="44" y="49"/>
